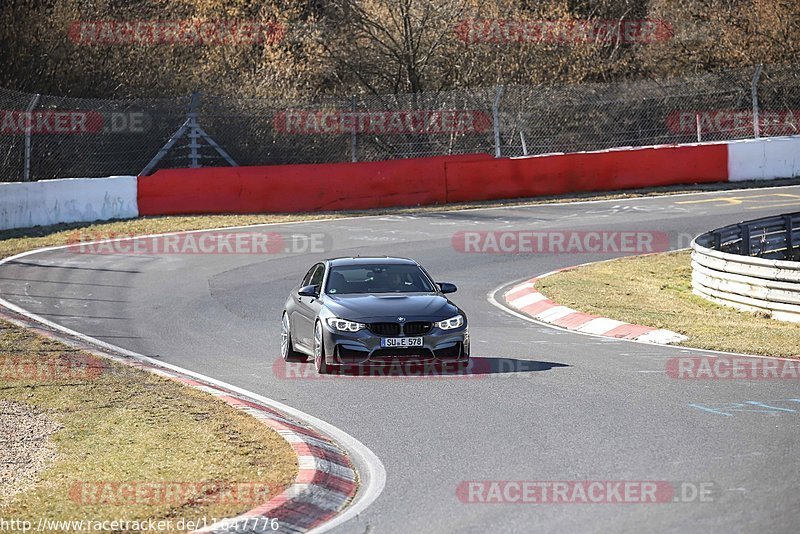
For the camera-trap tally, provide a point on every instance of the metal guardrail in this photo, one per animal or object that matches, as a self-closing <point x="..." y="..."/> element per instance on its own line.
<point x="752" y="266"/>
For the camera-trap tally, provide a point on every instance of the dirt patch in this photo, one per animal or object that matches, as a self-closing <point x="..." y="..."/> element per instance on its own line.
<point x="25" y="448"/>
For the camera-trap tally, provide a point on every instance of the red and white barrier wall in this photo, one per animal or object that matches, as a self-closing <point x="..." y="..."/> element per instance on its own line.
<point x="26" y="204"/>
<point x="440" y="180"/>
<point x="405" y="182"/>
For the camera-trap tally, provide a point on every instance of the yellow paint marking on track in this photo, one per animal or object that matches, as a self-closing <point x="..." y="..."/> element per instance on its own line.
<point x="796" y="203"/>
<point x="762" y="201"/>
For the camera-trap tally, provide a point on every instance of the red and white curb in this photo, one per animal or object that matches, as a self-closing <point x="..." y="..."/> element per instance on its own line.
<point x="526" y="299"/>
<point x="326" y="481"/>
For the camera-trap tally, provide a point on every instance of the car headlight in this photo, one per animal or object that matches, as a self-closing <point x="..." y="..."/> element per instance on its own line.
<point x="452" y="322"/>
<point x="344" y="325"/>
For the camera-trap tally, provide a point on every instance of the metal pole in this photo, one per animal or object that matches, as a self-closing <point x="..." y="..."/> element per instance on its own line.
<point x="496" y="121"/>
<point x="194" y="145"/>
<point x="787" y="223"/>
<point x="26" y="171"/>
<point x="754" y="94"/>
<point x="524" y="146"/>
<point x="697" y="122"/>
<point x="353" y="138"/>
<point x="744" y="232"/>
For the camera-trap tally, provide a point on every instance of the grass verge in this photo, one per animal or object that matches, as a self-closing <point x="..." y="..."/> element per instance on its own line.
<point x="656" y="291"/>
<point x="187" y="454"/>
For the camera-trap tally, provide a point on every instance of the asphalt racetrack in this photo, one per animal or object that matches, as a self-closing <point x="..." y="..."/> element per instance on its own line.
<point x="544" y="405"/>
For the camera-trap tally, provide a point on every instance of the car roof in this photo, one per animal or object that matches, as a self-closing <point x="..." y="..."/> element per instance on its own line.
<point x="370" y="260"/>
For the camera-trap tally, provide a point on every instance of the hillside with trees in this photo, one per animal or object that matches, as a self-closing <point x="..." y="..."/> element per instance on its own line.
<point x="308" y="48"/>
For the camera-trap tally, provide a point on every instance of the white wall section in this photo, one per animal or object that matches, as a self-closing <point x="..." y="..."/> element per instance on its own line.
<point x="26" y="204"/>
<point x="767" y="158"/>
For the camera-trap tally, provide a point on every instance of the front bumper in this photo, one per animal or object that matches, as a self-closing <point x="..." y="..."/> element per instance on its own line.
<point x="364" y="347"/>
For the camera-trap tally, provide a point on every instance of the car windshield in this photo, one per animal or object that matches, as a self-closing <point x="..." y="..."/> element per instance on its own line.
<point x="399" y="278"/>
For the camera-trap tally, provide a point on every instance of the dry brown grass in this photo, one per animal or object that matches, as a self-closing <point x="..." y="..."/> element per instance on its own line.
<point x="123" y="425"/>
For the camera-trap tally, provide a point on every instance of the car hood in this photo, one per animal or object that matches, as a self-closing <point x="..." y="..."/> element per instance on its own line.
<point x="414" y="306"/>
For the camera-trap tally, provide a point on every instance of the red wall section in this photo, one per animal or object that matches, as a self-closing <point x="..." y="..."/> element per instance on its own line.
<point x="295" y="188"/>
<point x="587" y="171"/>
<point x="408" y="182"/>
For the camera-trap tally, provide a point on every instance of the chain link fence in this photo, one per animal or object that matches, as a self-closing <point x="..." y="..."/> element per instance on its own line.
<point x="44" y="137"/>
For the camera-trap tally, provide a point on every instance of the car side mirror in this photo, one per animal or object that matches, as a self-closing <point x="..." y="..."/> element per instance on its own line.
<point x="446" y="287"/>
<point x="309" y="291"/>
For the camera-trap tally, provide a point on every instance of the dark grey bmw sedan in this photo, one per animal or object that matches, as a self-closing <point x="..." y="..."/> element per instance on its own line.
<point x="372" y="310"/>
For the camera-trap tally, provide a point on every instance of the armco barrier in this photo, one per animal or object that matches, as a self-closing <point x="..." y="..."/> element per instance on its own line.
<point x="724" y="271"/>
<point x="26" y="204"/>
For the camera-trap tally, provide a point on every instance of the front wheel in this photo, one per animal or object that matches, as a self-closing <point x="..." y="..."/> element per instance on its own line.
<point x="287" y="347"/>
<point x="319" y="351"/>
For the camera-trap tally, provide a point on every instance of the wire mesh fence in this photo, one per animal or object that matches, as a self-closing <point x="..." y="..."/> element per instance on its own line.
<point x="44" y="137"/>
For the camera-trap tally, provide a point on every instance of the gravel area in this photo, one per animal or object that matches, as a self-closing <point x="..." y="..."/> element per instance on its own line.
<point x="25" y="449"/>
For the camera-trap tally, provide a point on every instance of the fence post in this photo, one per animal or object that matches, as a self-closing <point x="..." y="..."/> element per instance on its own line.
<point x="697" y="123"/>
<point x="353" y="134"/>
<point x="754" y="94"/>
<point x="744" y="232"/>
<point x="194" y="145"/>
<point x="26" y="171"/>
<point x="496" y="120"/>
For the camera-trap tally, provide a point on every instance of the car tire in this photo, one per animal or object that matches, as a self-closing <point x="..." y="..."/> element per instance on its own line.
<point x="287" y="347"/>
<point x="319" y="351"/>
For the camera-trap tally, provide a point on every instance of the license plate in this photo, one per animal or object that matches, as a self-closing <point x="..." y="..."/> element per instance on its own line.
<point x="401" y="342"/>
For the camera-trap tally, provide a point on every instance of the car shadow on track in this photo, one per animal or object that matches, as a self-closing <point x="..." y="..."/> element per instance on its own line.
<point x="478" y="366"/>
<point x="510" y="365"/>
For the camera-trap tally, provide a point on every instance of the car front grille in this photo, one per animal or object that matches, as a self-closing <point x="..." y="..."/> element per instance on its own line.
<point x="417" y="328"/>
<point x="385" y="329"/>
